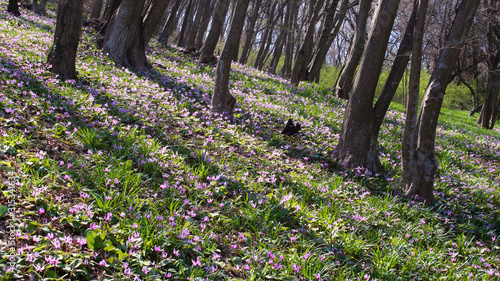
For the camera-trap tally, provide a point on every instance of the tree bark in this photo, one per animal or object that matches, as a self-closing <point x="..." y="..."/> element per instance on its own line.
<point x="409" y="135"/>
<point x="291" y="15"/>
<point x="249" y="32"/>
<point x="124" y="40"/>
<point x="110" y="9"/>
<point x="305" y="51"/>
<point x="207" y="14"/>
<point x="264" y="43"/>
<point x="171" y="22"/>
<point x="332" y="23"/>
<point x="222" y="101"/>
<point x="422" y="183"/>
<point x="40" y="8"/>
<point x="358" y="126"/>
<point x="185" y="24"/>
<point x="207" y="52"/>
<point x="13" y="8"/>
<point x="490" y="109"/>
<point x="152" y="17"/>
<point x="193" y="31"/>
<point x="62" y="55"/>
<point x="346" y="77"/>
<point x="96" y="9"/>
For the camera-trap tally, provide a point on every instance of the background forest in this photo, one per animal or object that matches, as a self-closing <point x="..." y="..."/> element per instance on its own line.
<point x="143" y="140"/>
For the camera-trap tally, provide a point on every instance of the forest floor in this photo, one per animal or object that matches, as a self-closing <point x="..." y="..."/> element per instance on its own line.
<point x="125" y="175"/>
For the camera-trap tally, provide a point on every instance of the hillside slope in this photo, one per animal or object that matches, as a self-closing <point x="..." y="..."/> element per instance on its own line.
<point x="127" y="176"/>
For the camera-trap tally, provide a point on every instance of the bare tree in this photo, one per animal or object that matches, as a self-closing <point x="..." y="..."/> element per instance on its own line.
<point x="171" y="22"/>
<point x="331" y="26"/>
<point x="346" y="76"/>
<point x="125" y="39"/>
<point x="409" y="140"/>
<point x="41" y="8"/>
<point x="358" y="126"/>
<point x="62" y="55"/>
<point x="249" y="32"/>
<point x="489" y="112"/>
<point x="425" y="164"/>
<point x="222" y="101"/>
<point x="306" y="49"/>
<point x="153" y="14"/>
<point x="13" y="8"/>
<point x="96" y="9"/>
<point x="207" y="51"/>
<point x="207" y="15"/>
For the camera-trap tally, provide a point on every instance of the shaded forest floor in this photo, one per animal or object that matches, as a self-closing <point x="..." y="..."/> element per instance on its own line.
<point x="123" y="175"/>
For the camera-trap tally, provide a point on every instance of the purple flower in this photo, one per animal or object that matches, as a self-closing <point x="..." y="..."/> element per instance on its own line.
<point x="103" y="263"/>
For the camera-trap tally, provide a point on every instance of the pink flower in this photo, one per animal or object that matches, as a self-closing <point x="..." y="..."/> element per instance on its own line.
<point x="197" y="262"/>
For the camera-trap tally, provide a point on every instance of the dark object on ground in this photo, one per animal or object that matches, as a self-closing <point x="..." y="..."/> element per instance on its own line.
<point x="290" y="128"/>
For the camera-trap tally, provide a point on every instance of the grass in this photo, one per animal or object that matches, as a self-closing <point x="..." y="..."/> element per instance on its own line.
<point x="123" y="175"/>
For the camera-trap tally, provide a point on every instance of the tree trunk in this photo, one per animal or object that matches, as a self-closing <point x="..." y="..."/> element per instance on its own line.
<point x="13" y="8"/>
<point x="278" y="48"/>
<point x="222" y="101"/>
<point x="62" y="55"/>
<point x="152" y="18"/>
<point x="291" y="15"/>
<point x="171" y="22"/>
<point x="185" y="24"/>
<point x="124" y="40"/>
<point x="426" y="164"/>
<point x="207" y="52"/>
<point x="207" y="14"/>
<point x="358" y="126"/>
<point x="332" y="24"/>
<point x="490" y="110"/>
<point x="346" y="77"/>
<point x="40" y="8"/>
<point x="109" y="10"/>
<point x="249" y="32"/>
<point x="96" y="9"/>
<point x="193" y="31"/>
<point x="305" y="51"/>
<point x="266" y="37"/>
<point x="409" y="135"/>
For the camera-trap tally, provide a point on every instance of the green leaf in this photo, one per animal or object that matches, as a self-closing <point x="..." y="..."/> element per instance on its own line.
<point x="95" y="240"/>
<point x="3" y="211"/>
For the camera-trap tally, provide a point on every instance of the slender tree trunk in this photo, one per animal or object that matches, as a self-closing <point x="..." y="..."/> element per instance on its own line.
<point x="124" y="40"/>
<point x="278" y="49"/>
<point x="40" y="8"/>
<point x="344" y="82"/>
<point x="409" y="135"/>
<point x="358" y="126"/>
<point x="13" y="8"/>
<point x="249" y="32"/>
<point x="193" y="31"/>
<point x="33" y="5"/>
<point x="222" y="101"/>
<point x="305" y="51"/>
<point x="207" y="14"/>
<point x="333" y="21"/>
<point x="110" y="9"/>
<point x="171" y="22"/>
<point x="207" y="52"/>
<point x="422" y="183"/>
<point x="291" y="15"/>
<point x="489" y="112"/>
<point x="96" y="9"/>
<point x="62" y="55"/>
<point x="266" y="36"/>
<point x="185" y="24"/>
<point x="152" y="18"/>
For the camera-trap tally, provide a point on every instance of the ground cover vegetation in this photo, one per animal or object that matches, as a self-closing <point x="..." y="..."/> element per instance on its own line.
<point x="124" y="175"/>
